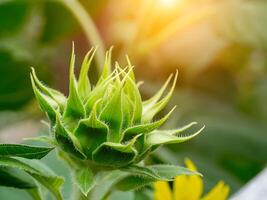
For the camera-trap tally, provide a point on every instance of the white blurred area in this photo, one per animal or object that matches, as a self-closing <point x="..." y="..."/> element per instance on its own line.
<point x="256" y="189"/>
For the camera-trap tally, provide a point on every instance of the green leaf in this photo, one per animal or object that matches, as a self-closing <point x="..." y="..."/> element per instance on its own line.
<point x="84" y="86"/>
<point x="146" y="128"/>
<point x="115" y="154"/>
<point x="133" y="182"/>
<point x="146" y="175"/>
<point x="25" y="151"/>
<point x="85" y="180"/>
<point x="152" y="110"/>
<point x="74" y="107"/>
<point x="142" y="171"/>
<point x="169" y="172"/>
<point x="91" y="132"/>
<point x="159" y="137"/>
<point x="37" y="171"/>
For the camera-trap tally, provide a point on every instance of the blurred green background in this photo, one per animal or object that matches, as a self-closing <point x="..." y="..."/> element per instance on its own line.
<point x="218" y="46"/>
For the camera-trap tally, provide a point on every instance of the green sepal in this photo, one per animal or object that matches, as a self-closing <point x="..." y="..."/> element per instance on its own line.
<point x="115" y="154"/>
<point x="66" y="140"/>
<point x="91" y="132"/>
<point x="24" y="151"/>
<point x="160" y="137"/>
<point x="128" y="109"/>
<point x="46" y="103"/>
<point x="57" y="96"/>
<point x="134" y="94"/>
<point x="112" y="113"/>
<point x="74" y="108"/>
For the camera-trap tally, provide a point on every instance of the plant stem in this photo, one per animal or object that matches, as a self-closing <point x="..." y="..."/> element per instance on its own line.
<point x="89" y="28"/>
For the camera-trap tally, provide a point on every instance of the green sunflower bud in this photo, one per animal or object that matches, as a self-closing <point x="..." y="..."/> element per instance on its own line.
<point x="107" y="125"/>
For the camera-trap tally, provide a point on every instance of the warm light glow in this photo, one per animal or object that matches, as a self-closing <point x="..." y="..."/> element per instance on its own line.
<point x="168" y="3"/>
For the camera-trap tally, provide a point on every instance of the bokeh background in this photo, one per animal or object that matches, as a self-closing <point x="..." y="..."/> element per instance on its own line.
<point x="218" y="46"/>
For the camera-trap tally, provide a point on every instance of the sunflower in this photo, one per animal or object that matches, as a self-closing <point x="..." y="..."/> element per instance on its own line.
<point x="189" y="188"/>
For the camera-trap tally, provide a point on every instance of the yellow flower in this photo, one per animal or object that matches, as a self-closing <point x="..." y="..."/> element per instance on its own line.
<point x="189" y="188"/>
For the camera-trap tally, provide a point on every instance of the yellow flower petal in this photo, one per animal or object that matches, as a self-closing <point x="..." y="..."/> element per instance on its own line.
<point x="162" y="191"/>
<point x="190" y="165"/>
<point x="188" y="187"/>
<point x="219" y="192"/>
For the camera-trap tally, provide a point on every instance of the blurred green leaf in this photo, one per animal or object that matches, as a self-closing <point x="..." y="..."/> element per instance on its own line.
<point x="15" y="88"/>
<point x="59" y="22"/>
<point x="37" y="171"/>
<point x="253" y="101"/>
<point x="8" y="179"/>
<point x="12" y="14"/>
<point x="58" y="167"/>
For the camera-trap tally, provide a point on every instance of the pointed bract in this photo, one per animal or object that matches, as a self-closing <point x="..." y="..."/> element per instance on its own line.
<point x="158" y="106"/>
<point x="84" y="86"/>
<point x="74" y="108"/>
